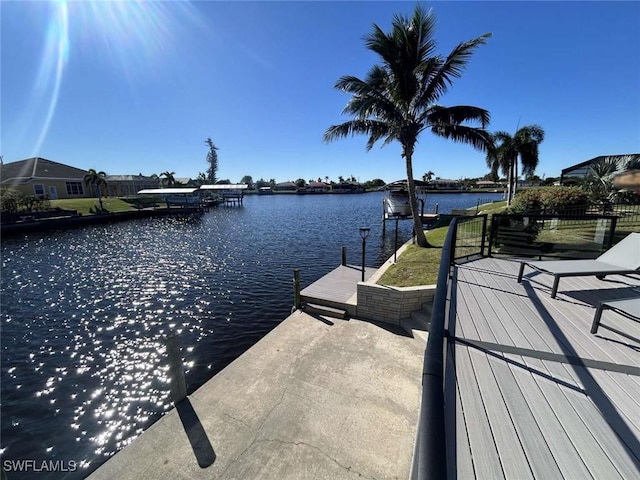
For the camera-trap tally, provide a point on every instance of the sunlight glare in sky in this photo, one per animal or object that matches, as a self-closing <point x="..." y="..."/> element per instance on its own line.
<point x="54" y="58"/>
<point x="130" y="36"/>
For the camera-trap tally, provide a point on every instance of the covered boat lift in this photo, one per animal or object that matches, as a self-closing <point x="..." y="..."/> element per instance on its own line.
<point x="231" y="194"/>
<point x="181" y="197"/>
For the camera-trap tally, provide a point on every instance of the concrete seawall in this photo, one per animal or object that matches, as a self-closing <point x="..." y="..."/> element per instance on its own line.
<point x="82" y="220"/>
<point x="315" y="398"/>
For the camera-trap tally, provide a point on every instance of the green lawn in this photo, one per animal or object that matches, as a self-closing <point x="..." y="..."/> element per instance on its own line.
<point x="419" y="266"/>
<point x="416" y="265"/>
<point x="89" y="206"/>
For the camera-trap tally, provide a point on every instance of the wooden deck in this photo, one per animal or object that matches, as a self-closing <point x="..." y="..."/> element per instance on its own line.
<point x="532" y="394"/>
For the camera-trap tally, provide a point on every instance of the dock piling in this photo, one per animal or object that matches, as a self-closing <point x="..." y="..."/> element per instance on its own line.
<point x="296" y="289"/>
<point x="176" y="369"/>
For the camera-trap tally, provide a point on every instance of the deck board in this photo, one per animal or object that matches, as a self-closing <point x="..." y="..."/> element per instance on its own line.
<point x="536" y="395"/>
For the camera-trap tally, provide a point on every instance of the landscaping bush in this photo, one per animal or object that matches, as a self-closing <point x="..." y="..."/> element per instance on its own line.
<point x="551" y="200"/>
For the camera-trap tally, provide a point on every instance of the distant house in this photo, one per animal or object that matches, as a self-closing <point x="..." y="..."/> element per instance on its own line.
<point x="577" y="172"/>
<point x="317" y="187"/>
<point x="285" y="187"/>
<point x="129" y="185"/>
<point x="488" y="184"/>
<point x="347" y="187"/>
<point x="445" y="184"/>
<point x="44" y="179"/>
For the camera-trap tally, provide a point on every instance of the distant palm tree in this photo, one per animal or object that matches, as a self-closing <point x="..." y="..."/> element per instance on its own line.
<point x="94" y="179"/>
<point x="504" y="156"/>
<point x="398" y="98"/>
<point x="168" y="179"/>
<point x="427" y="177"/>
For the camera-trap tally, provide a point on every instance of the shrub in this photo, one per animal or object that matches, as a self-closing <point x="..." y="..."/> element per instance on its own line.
<point x="9" y="200"/>
<point x="551" y="200"/>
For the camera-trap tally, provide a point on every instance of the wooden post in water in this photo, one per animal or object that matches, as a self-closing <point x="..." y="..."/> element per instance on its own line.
<point x="296" y="289"/>
<point x="176" y="369"/>
<point x="344" y="256"/>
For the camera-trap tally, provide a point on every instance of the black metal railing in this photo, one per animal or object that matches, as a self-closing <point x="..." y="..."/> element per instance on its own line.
<point x="429" y="456"/>
<point x="559" y="236"/>
<point x="470" y="236"/>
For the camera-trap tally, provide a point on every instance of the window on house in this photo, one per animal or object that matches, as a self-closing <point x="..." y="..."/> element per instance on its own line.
<point x="75" y="189"/>
<point x="38" y="189"/>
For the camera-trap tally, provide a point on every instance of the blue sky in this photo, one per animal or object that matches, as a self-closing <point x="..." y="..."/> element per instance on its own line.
<point x="134" y="88"/>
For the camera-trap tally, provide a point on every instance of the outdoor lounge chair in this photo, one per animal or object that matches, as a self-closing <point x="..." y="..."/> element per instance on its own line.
<point x="622" y="258"/>
<point x="629" y="307"/>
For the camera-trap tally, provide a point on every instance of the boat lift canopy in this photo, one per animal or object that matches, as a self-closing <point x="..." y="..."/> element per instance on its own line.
<point x="222" y="186"/>
<point x="167" y="191"/>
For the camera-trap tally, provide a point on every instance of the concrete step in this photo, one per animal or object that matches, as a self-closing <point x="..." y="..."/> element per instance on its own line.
<point x="417" y="328"/>
<point x="314" y="308"/>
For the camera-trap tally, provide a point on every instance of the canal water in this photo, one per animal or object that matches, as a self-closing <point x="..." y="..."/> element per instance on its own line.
<point x="84" y="311"/>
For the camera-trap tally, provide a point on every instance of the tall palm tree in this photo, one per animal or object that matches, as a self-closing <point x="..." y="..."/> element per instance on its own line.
<point x="504" y="156"/>
<point x="398" y="98"/>
<point x="95" y="179"/>
<point x="168" y="179"/>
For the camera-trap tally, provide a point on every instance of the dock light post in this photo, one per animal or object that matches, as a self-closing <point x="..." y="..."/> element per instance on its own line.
<point x="395" y="246"/>
<point x="364" y="233"/>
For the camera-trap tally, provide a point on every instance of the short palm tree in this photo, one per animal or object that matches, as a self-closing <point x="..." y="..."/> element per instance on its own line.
<point x="600" y="184"/>
<point x="168" y="179"/>
<point x="504" y="155"/>
<point x="398" y="98"/>
<point x="95" y="179"/>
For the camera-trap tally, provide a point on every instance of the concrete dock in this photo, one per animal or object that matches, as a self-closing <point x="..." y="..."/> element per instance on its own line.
<point x="316" y="398"/>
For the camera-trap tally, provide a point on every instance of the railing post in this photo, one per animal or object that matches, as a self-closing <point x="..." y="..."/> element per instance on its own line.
<point x="176" y="369"/>
<point x="492" y="232"/>
<point x="344" y="256"/>
<point x="612" y="232"/>
<point x="296" y="289"/>
<point x="484" y="233"/>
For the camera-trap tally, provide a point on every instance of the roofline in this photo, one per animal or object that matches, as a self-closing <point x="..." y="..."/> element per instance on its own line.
<point x="587" y="162"/>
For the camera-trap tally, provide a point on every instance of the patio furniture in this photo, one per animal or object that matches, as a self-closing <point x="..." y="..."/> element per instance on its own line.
<point x="622" y="258"/>
<point x="629" y="307"/>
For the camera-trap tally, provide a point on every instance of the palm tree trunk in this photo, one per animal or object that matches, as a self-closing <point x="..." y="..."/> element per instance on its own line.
<point x="515" y="178"/>
<point x="100" y="198"/>
<point x="509" y="184"/>
<point x="421" y="240"/>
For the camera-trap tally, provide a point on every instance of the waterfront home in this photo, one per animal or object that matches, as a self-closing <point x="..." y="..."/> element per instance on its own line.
<point x="129" y="185"/>
<point x="317" y="187"/>
<point x="575" y="173"/>
<point x="285" y="187"/>
<point x="347" y="187"/>
<point x="44" y="179"/>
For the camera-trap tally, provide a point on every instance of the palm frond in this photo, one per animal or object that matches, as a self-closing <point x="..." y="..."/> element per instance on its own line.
<point x="375" y="129"/>
<point x="452" y="67"/>
<point x="456" y="115"/>
<point x="478" y="138"/>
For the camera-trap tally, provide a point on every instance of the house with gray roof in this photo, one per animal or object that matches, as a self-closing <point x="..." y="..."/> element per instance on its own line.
<point x="130" y="185"/>
<point x="573" y="174"/>
<point x="44" y="179"/>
